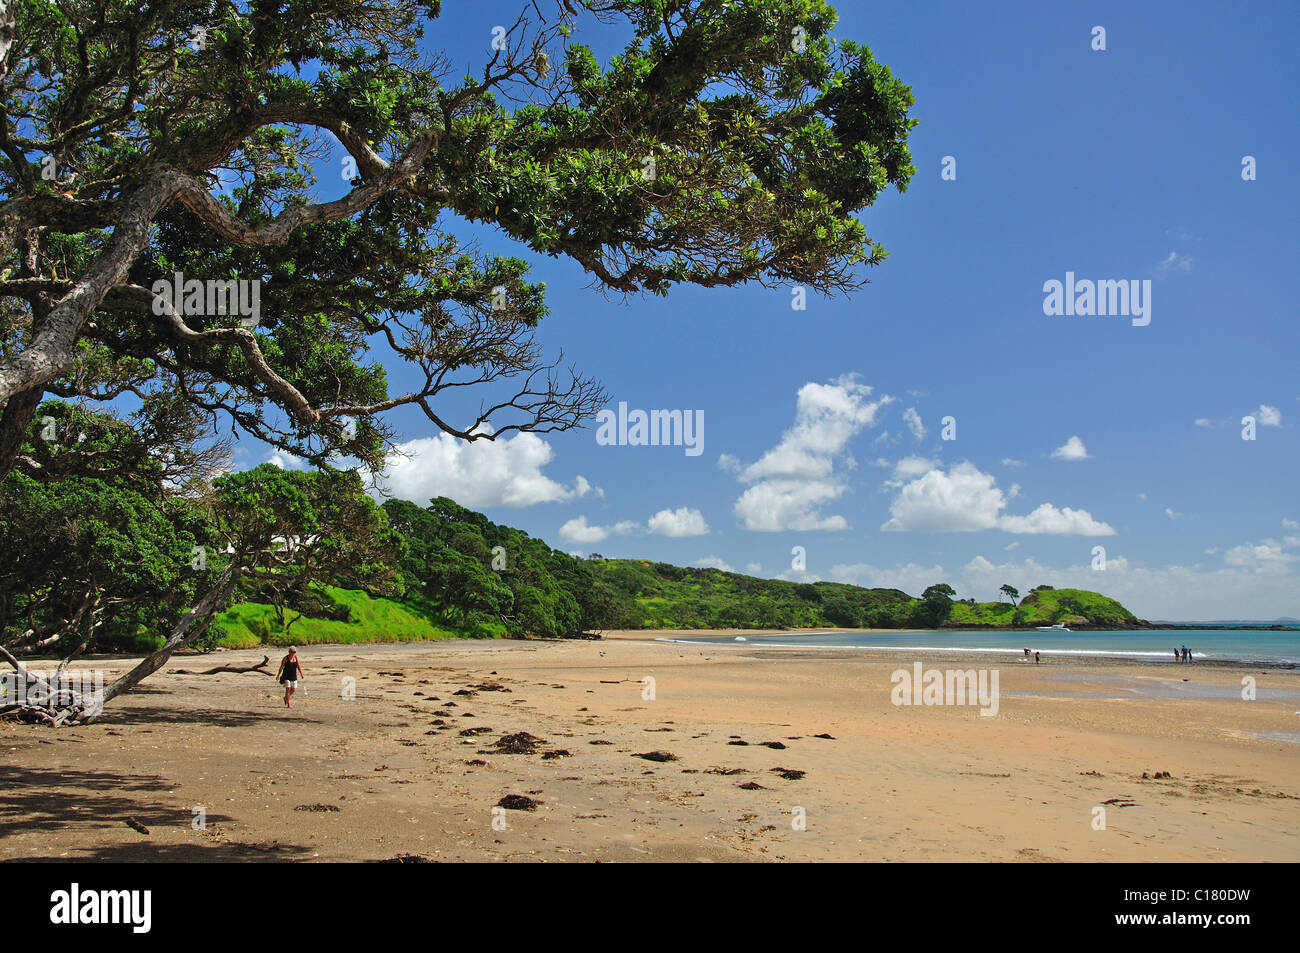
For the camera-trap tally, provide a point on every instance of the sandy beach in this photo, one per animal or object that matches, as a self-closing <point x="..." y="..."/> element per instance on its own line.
<point x="411" y="765"/>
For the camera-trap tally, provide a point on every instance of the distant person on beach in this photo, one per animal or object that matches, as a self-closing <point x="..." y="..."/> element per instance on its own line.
<point x="1184" y="653"/>
<point x="290" y="670"/>
<point x="1026" y="653"/>
<point x="1035" y="658"/>
<point x="1188" y="657"/>
<point x="1177" y="656"/>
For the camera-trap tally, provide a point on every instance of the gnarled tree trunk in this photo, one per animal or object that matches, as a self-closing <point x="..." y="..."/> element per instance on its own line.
<point x="70" y="707"/>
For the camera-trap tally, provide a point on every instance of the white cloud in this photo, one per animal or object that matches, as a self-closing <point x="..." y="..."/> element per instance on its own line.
<point x="753" y="568"/>
<point x="827" y="416"/>
<point x="1172" y="515"/>
<point x="1203" y="422"/>
<point x="713" y="562"/>
<point x="1268" y="416"/>
<point x="1015" y="544"/>
<point x="1176" y="262"/>
<point x="914" y="466"/>
<point x="913" y="421"/>
<point x="795" y="575"/>
<point x="792" y="482"/>
<point x="775" y="505"/>
<point x="1072" y="449"/>
<point x="911" y="578"/>
<point x="504" y="472"/>
<point x="1266" y="556"/>
<point x="1289" y="524"/>
<point x="961" y="500"/>
<point x="679" y="522"/>
<point x="967" y="500"/>
<point x="286" y="461"/>
<point x="1046" y="518"/>
<point x="1142" y="496"/>
<point x="1009" y="462"/>
<point x="577" y="530"/>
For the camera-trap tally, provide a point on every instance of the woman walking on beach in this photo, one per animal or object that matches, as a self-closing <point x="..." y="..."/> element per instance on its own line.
<point x="290" y="669"/>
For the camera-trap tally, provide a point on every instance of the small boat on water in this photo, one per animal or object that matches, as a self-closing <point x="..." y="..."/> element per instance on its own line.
<point x="1059" y="627"/>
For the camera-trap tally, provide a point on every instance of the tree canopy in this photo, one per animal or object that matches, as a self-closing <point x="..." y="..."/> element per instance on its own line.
<point x="202" y="142"/>
<point x="98" y="533"/>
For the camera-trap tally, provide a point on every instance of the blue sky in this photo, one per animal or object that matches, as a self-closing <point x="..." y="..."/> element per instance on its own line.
<point x="1122" y="164"/>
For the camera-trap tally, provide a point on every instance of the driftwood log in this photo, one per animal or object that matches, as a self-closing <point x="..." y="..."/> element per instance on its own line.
<point x="237" y="669"/>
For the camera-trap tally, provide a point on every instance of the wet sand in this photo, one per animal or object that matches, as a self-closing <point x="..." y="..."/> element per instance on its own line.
<point x="409" y="766"/>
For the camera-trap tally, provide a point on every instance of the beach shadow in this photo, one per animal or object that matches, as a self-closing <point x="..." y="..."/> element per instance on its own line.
<point x="215" y="717"/>
<point x="47" y="799"/>
<point x="177" y="853"/>
<point x="140" y="690"/>
<point x="44" y="799"/>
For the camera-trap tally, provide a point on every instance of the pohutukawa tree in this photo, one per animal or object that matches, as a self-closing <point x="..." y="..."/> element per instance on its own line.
<point x="163" y="164"/>
<point x="114" y="531"/>
<point x="729" y="142"/>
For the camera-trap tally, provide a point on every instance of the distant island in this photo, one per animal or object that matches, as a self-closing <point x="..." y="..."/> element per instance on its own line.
<point x="463" y="575"/>
<point x="1284" y="623"/>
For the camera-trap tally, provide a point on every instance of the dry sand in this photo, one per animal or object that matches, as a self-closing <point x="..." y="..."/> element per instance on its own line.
<point x="376" y="777"/>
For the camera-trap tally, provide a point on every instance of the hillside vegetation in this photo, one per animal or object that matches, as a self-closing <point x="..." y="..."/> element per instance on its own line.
<point x="463" y="575"/>
<point x="367" y="619"/>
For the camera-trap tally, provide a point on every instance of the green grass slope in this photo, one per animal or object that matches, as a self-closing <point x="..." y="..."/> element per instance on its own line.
<point x="1075" y="606"/>
<point x="250" y="624"/>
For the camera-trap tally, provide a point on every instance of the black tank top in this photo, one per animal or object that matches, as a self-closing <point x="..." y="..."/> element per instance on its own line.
<point x="290" y="671"/>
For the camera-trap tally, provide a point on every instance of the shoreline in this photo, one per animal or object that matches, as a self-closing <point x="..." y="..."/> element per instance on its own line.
<point x="1050" y="656"/>
<point x="818" y="630"/>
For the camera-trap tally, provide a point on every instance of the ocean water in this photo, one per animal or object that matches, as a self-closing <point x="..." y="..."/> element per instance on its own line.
<point x="1260" y="646"/>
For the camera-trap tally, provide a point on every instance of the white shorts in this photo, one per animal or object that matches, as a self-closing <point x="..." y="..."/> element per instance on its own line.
<point x="288" y="684"/>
